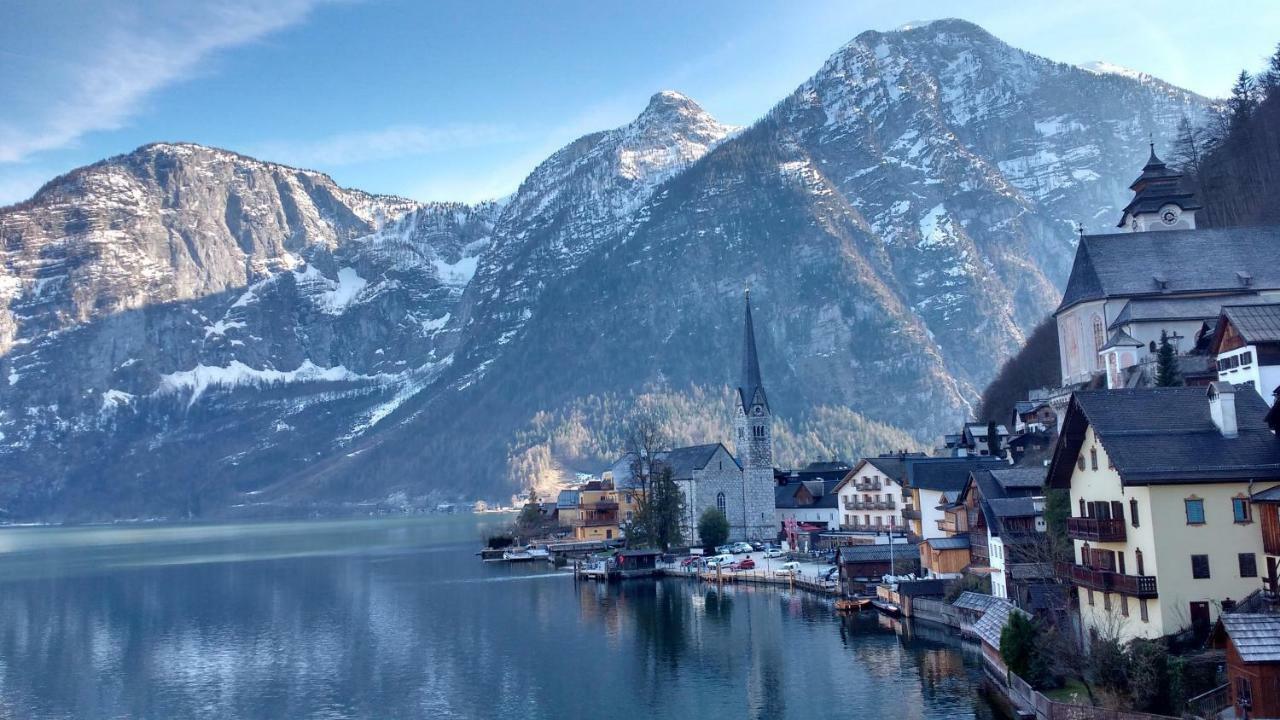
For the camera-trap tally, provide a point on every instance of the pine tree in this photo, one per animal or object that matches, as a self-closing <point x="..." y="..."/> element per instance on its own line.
<point x="1269" y="80"/>
<point x="1188" y="147"/>
<point x="713" y="528"/>
<point x="1167" y="374"/>
<point x="1243" y="100"/>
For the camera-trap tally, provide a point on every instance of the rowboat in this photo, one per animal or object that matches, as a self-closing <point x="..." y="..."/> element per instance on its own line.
<point x="852" y="604"/>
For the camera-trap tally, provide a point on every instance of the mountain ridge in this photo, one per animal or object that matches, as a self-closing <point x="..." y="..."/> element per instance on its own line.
<point x="902" y="218"/>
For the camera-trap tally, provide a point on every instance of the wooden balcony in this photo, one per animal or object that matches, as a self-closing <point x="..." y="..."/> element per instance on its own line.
<point x="867" y="505"/>
<point x="869" y="486"/>
<point x="1140" y="586"/>
<point x="910" y="513"/>
<point x="1095" y="529"/>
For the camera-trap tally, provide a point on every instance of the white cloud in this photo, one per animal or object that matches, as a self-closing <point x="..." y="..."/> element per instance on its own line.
<point x="392" y="142"/>
<point x="132" y="52"/>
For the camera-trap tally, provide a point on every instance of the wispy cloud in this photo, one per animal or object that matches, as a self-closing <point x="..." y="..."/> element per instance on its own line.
<point x="98" y="81"/>
<point x="392" y="142"/>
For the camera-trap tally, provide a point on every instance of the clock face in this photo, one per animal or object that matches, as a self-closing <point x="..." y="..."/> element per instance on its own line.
<point x="1169" y="216"/>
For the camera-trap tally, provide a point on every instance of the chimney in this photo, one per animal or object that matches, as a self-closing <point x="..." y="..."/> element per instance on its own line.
<point x="1222" y="407"/>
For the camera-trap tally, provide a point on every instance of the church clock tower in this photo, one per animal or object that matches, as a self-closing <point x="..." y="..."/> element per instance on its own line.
<point x="753" y="423"/>
<point x="1159" y="200"/>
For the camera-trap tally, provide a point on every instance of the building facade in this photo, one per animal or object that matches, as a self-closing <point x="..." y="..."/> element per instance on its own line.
<point x="1162" y="527"/>
<point x="871" y="496"/>
<point x="753" y="425"/>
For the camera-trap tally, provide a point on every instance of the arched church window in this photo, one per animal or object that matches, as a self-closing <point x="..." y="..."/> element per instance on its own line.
<point x="720" y="502"/>
<point x="1099" y="333"/>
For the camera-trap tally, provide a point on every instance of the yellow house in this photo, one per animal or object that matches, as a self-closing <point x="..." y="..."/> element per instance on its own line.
<point x="1162" y="524"/>
<point x="603" y="511"/>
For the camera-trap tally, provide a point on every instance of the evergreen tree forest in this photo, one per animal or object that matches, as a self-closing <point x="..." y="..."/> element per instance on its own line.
<point x="1233" y="162"/>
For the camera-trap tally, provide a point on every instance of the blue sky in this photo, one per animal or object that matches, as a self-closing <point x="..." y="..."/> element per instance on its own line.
<point x="447" y="100"/>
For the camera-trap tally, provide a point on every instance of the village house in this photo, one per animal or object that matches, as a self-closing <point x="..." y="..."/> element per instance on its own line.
<point x="598" y="516"/>
<point x="1252" y="642"/>
<point x="872" y="496"/>
<point x="933" y="483"/>
<point x="567" y="508"/>
<point x="1034" y="414"/>
<point x="1246" y="346"/>
<point x="972" y="440"/>
<point x="861" y="564"/>
<point x="1002" y="512"/>
<point x="1163" y="527"/>
<point x="808" y="499"/>
<point x="1126" y="289"/>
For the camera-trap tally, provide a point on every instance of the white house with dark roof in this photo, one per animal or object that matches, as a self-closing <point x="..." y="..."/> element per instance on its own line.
<point x="1163" y="274"/>
<point x="1247" y="348"/>
<point x="1163" y="525"/>
<point x="871" y="495"/>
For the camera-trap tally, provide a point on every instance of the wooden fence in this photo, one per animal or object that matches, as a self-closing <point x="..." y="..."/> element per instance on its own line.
<point x="1033" y="703"/>
<point x="1210" y="705"/>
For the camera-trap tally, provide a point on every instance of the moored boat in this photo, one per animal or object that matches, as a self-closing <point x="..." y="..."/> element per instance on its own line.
<point x="852" y="604"/>
<point x="887" y="608"/>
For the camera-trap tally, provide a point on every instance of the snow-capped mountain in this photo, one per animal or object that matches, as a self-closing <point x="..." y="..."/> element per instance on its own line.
<point x="186" y="330"/>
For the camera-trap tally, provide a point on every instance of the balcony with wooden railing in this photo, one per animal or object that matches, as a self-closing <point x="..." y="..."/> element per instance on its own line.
<point x="867" y="486"/>
<point x="853" y="504"/>
<point x="1140" y="586"/>
<point x="1096" y="529"/>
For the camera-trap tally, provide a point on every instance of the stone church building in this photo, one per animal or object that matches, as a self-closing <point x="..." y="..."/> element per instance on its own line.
<point x="710" y="476"/>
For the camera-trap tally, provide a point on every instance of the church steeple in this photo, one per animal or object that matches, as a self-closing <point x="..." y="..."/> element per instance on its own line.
<point x="750" y="389"/>
<point x="1159" y="201"/>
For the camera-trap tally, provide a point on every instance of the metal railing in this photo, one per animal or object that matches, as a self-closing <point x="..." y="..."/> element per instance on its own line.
<point x="1209" y="706"/>
<point x="1141" y="586"/>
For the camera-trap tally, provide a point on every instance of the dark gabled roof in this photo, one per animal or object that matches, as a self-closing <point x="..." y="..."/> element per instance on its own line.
<point x="1179" y="308"/>
<point x="893" y="466"/>
<point x="1013" y="507"/>
<point x="1255" y="323"/>
<point x="1120" y="338"/>
<point x="877" y="553"/>
<point x="784" y="496"/>
<point x="1256" y="636"/>
<point x="991" y="624"/>
<point x="946" y="474"/>
<point x="1202" y="260"/>
<point x="1166" y="436"/>
<point x="1015" y="478"/>
<point x="955" y="542"/>
<point x="1270" y="495"/>
<point x="683" y="461"/>
<point x="970" y="600"/>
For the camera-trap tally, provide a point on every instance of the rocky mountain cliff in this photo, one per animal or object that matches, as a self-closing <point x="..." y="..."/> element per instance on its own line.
<point x="184" y="330"/>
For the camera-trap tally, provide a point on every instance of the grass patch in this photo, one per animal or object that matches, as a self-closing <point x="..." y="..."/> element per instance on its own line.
<point x="1073" y="692"/>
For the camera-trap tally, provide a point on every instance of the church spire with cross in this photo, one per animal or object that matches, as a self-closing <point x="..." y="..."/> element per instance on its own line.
<point x="1160" y="202"/>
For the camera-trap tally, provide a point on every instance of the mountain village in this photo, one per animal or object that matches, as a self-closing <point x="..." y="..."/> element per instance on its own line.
<point x="1159" y="448"/>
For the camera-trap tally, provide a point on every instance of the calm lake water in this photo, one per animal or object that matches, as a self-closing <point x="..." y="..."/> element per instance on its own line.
<point x="399" y="619"/>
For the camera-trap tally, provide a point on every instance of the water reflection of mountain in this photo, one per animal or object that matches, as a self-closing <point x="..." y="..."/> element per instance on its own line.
<point x="379" y="622"/>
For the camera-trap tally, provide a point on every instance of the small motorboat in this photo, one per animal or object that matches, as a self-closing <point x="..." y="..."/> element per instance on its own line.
<point x="887" y="608"/>
<point x="517" y="555"/>
<point x="852" y="604"/>
<point x="538" y="553"/>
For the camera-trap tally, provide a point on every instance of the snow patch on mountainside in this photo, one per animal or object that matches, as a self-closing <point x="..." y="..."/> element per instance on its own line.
<point x="1102" y="67"/>
<point x="236" y="374"/>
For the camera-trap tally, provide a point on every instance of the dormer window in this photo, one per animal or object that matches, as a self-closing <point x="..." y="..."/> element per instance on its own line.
<point x="1162" y="282"/>
<point x="1245" y="278"/>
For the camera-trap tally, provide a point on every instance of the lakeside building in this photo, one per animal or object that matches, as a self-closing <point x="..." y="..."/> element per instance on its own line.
<point x="872" y="496"/>
<point x="1163" y="527"/>
<point x="603" y="510"/>
<point x="809" y="499"/>
<point x="934" y="482"/>
<point x="1001" y="510"/>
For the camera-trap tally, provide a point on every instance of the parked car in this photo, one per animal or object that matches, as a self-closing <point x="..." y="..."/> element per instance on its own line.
<point x="691" y="560"/>
<point x="724" y="549"/>
<point x="744" y="564"/>
<point x="788" y="568"/>
<point x="741" y="547"/>
<point x="831" y="574"/>
<point x="757" y="545"/>
<point x="723" y="560"/>
<point x="773" y="552"/>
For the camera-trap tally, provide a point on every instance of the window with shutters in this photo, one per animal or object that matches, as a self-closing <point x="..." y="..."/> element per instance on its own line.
<point x="1080" y="461"/>
<point x="1137" y="559"/>
<point x="1195" y="510"/>
<point x="1133" y="512"/>
<point x="1200" y="567"/>
<point x="1124" y="605"/>
<point x="1240" y="512"/>
<point x="1142" y="609"/>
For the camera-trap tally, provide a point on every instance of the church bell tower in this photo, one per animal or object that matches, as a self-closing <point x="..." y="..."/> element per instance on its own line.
<point x="1159" y="200"/>
<point x="753" y="423"/>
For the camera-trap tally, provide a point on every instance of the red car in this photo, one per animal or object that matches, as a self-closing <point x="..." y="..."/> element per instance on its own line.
<point x="744" y="564"/>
